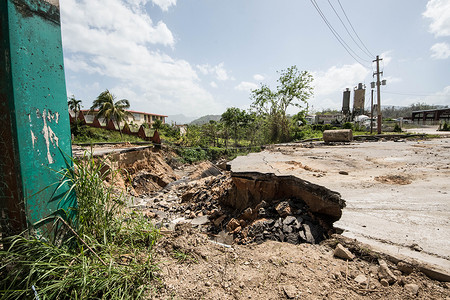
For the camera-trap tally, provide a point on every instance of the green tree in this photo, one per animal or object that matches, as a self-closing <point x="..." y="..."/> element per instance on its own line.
<point x="157" y="124"/>
<point x="210" y="130"/>
<point x="194" y="137"/>
<point x="234" y="118"/>
<point x="294" y="89"/>
<point x="109" y="109"/>
<point x="74" y="105"/>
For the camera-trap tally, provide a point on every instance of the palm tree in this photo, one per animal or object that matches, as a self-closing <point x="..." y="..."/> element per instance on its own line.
<point x="157" y="124"/>
<point x="74" y="105"/>
<point x="110" y="109"/>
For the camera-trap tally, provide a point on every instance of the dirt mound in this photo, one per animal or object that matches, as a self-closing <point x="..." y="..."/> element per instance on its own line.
<point x="193" y="267"/>
<point x="146" y="170"/>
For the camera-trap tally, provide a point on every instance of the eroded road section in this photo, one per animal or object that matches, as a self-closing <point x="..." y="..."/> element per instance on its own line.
<point x="397" y="192"/>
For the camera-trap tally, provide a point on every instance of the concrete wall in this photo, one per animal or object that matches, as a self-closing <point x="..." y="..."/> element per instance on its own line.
<point x="34" y="113"/>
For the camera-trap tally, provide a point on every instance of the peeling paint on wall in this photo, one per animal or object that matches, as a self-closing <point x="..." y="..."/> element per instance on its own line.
<point x="33" y="138"/>
<point x="49" y="135"/>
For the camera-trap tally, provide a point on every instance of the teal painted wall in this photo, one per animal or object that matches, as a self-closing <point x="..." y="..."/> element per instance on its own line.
<point x="38" y="106"/>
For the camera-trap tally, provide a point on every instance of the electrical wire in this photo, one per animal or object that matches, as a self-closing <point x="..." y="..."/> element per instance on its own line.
<point x="354" y="29"/>
<point x="348" y="32"/>
<point x="337" y="36"/>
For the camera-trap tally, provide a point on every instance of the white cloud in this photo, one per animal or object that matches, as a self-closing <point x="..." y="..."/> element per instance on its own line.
<point x="165" y="4"/>
<point x="391" y="79"/>
<point x="218" y="71"/>
<point x="91" y="26"/>
<point x="258" y="77"/>
<point x="213" y="84"/>
<point x="246" y="86"/>
<point x="439" y="98"/>
<point x="336" y="79"/>
<point x="118" y="42"/>
<point x="386" y="56"/>
<point x="439" y="13"/>
<point x="440" y="51"/>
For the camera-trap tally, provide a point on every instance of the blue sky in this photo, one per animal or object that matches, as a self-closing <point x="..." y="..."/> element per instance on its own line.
<point x="200" y="57"/>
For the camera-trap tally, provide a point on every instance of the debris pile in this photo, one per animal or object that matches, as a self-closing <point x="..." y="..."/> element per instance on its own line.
<point x="243" y="207"/>
<point x="252" y="208"/>
<point x="289" y="220"/>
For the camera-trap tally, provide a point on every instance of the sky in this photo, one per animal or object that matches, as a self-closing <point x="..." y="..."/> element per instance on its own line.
<point x="200" y="57"/>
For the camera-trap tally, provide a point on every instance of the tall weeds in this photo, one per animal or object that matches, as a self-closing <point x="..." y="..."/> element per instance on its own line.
<point x="105" y="254"/>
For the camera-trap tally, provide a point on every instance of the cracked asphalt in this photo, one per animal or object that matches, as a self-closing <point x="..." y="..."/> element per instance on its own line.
<point x="397" y="193"/>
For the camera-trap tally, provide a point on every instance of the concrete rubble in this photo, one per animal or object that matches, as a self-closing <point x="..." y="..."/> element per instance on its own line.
<point x="249" y="207"/>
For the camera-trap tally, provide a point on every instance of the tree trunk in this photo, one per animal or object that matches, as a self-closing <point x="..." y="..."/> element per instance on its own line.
<point x="120" y="130"/>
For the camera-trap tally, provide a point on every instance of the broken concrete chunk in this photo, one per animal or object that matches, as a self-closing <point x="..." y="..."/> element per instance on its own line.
<point x="248" y="214"/>
<point x="251" y="188"/>
<point x="384" y="282"/>
<point x="200" y="220"/>
<point x="340" y="135"/>
<point x="361" y="279"/>
<point x="284" y="209"/>
<point x="342" y="252"/>
<point x="405" y="268"/>
<point x="385" y="273"/>
<point x="232" y="225"/>
<point x="287" y="229"/>
<point x="290" y="291"/>
<point x="308" y="234"/>
<point x="219" y="220"/>
<point x="237" y="230"/>
<point x="412" y="288"/>
<point x="262" y="212"/>
<point x="289" y="220"/>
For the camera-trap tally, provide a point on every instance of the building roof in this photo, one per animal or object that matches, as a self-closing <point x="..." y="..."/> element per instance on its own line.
<point x="431" y="110"/>
<point x="131" y="111"/>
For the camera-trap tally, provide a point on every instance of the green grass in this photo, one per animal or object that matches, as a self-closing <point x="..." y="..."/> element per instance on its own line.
<point x="183" y="257"/>
<point x="86" y="134"/>
<point x="192" y="155"/>
<point x="105" y="254"/>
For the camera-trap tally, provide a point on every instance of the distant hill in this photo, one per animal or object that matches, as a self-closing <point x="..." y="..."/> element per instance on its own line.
<point x="206" y="119"/>
<point x="179" y="119"/>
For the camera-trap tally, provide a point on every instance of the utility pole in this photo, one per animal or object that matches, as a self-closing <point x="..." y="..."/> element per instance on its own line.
<point x="378" y="94"/>
<point x="371" y="113"/>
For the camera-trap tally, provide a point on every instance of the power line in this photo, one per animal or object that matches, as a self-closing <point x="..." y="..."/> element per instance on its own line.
<point x="348" y="32"/>
<point x="337" y="36"/>
<point x="354" y="29"/>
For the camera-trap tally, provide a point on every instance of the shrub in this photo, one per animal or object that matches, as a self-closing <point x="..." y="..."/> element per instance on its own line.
<point x="191" y="155"/>
<point x="88" y="262"/>
<point x="397" y="128"/>
<point x="347" y="125"/>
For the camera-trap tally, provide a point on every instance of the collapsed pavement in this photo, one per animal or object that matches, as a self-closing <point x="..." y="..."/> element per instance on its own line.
<point x="237" y="207"/>
<point x="204" y="196"/>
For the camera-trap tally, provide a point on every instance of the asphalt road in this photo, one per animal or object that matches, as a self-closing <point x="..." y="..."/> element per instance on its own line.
<point x="397" y="193"/>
